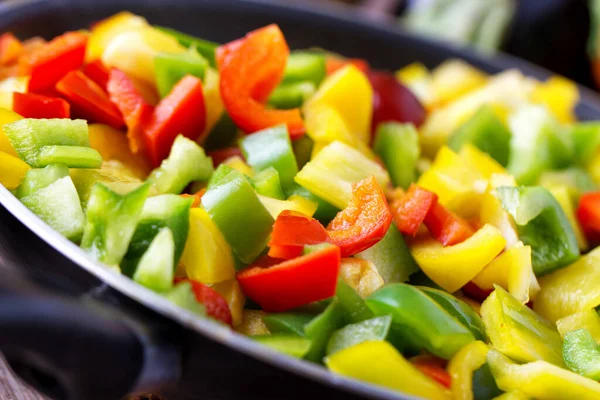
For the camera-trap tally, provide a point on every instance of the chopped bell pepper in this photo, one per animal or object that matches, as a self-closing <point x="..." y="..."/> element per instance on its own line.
<point x="463" y="366"/>
<point x="453" y="79"/>
<point x="541" y="224"/>
<point x="89" y="100"/>
<point x="518" y="332"/>
<point x="9" y="86"/>
<point x="58" y="205"/>
<point x="111" y="221"/>
<point x="187" y="162"/>
<point x="452" y="267"/>
<point x="293" y="203"/>
<point x="288" y="344"/>
<point x="207" y="256"/>
<point x="271" y="148"/>
<point x="331" y="174"/>
<point x="588" y="319"/>
<point x="6" y="117"/>
<point x="287" y="323"/>
<point x="219" y="124"/>
<point x="31" y="105"/>
<point x="491" y="212"/>
<point x="205" y="47"/>
<point x="293" y="230"/>
<point x="353" y="304"/>
<point x="252" y="323"/>
<point x="561" y="194"/>
<point x="320" y="329"/>
<point x="155" y="269"/>
<point x="398" y="147"/>
<point x="433" y="367"/>
<point x="182" y="295"/>
<point x="249" y="75"/>
<point x="378" y="362"/>
<point x="49" y="63"/>
<point x="302" y="150"/>
<point x="267" y="183"/>
<point x="369" y="330"/>
<point x="170" y="68"/>
<point x="10" y="48"/>
<point x="446" y="227"/>
<point x="325" y="211"/>
<point x="291" y="95"/>
<point x="541" y="380"/>
<point x="97" y="72"/>
<point x="361" y="275"/>
<point x="586" y="140"/>
<point x="570" y="289"/>
<point x="293" y="283"/>
<point x="40" y="142"/>
<point x="216" y="306"/>
<point x="582" y="354"/>
<point x="104" y="31"/>
<point x="232" y="293"/>
<point x="484" y="384"/>
<point x="559" y="95"/>
<point x="421" y="320"/>
<point x="238" y="163"/>
<point x="182" y="111"/>
<point x="485" y="131"/>
<point x="576" y="180"/>
<point x="305" y="66"/>
<point x="37" y="179"/>
<point x="12" y="170"/>
<point x="588" y="215"/>
<point x="411" y="209"/>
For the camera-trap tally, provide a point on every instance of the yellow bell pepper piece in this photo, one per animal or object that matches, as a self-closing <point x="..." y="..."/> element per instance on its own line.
<point x="378" y="362"/>
<point x="6" y="117"/>
<point x="104" y="31"/>
<point x="316" y="149"/>
<point x="513" y="271"/>
<point x="482" y="161"/>
<point x="133" y="52"/>
<point x="462" y="366"/>
<point x="508" y="89"/>
<point x="361" y="275"/>
<point x="252" y="323"/>
<point x="512" y="395"/>
<point x="541" y="380"/>
<point x="232" y="293"/>
<point x="562" y="196"/>
<point x="571" y="289"/>
<point x="212" y="100"/>
<point x="355" y="110"/>
<point x="293" y="203"/>
<point x="10" y="85"/>
<point x="207" y="256"/>
<point x="453" y="266"/>
<point x="417" y="78"/>
<point x="12" y="170"/>
<point x="238" y="163"/>
<point x="491" y="212"/>
<point x="112" y="144"/>
<point x="454" y="78"/>
<point x="588" y="319"/>
<point x="593" y="168"/>
<point x="559" y="95"/>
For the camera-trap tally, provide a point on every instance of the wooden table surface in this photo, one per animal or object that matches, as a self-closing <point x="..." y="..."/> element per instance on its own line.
<point x="11" y="388"/>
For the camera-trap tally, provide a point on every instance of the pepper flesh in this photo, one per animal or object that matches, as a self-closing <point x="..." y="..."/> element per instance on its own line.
<point x="293" y="230"/>
<point x="582" y="354"/>
<point x="462" y="367"/>
<point x="31" y="105"/>
<point x="588" y="319"/>
<point x="411" y="209"/>
<point x="398" y="146"/>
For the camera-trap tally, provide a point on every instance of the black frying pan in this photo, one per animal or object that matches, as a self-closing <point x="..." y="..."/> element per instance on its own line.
<point x="75" y="330"/>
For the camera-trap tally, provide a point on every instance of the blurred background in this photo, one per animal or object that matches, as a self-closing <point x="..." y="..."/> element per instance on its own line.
<point x="560" y="35"/>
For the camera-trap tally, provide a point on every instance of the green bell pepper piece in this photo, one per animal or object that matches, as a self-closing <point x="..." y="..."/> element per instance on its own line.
<point x="541" y="224"/>
<point x="183" y="295"/>
<point x="321" y="328"/>
<point x="485" y="131"/>
<point x="156" y="269"/>
<point x="204" y="47"/>
<point x="536" y="132"/>
<point x="58" y="205"/>
<point x="582" y="354"/>
<point x="267" y="184"/>
<point x="287" y="323"/>
<point x="422" y="321"/>
<point x="111" y="222"/>
<point x="271" y="148"/>
<point x="353" y="334"/>
<point x="222" y="135"/>
<point x="295" y="346"/>
<point x="576" y="179"/>
<point x="40" y="142"/>
<point x="459" y="310"/>
<point x="159" y="212"/>
<point x="517" y="331"/>
<point x="302" y="150"/>
<point x="398" y="146"/>
<point x="484" y="384"/>
<point x="37" y="179"/>
<point x="355" y="307"/>
<point x="305" y="66"/>
<point x="291" y="95"/>
<point x="221" y="172"/>
<point x="391" y="257"/>
<point x="169" y="68"/>
<point x="236" y="209"/>
<point x="325" y="211"/>
<point x="187" y="162"/>
<point x="586" y="139"/>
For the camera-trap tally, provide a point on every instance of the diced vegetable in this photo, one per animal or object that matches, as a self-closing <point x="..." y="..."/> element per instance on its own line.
<point x="267" y="183"/>
<point x="288" y="344"/>
<point x="155" y="269"/>
<point x="398" y="147"/>
<point x="171" y="68"/>
<point x="588" y="319"/>
<point x="353" y="334"/>
<point x="31" y="105"/>
<point x="13" y="170"/>
<point x="205" y="47"/>
<point x="320" y="329"/>
<point x="581" y="354"/>
<point x="37" y="179"/>
<point x="183" y="296"/>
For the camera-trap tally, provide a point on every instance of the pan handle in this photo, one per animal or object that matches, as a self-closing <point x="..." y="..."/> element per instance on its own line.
<point x="81" y="348"/>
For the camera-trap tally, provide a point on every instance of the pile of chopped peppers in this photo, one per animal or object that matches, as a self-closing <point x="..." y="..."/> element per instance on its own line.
<point x="428" y="231"/>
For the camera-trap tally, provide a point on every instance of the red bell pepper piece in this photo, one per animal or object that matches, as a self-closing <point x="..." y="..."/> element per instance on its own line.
<point x="181" y="112"/>
<point x="364" y="221"/>
<point x="47" y="64"/>
<point x="392" y="101"/>
<point x="10" y="48"/>
<point x="97" y="72"/>
<point x="447" y="227"/>
<point x="216" y="306"/>
<point x="31" y="105"/>
<point x="410" y="210"/>
<point x="250" y="69"/>
<point x="434" y="368"/>
<point x="136" y="111"/>
<point x="474" y="292"/>
<point x="292" y="283"/>
<point x="333" y="63"/>
<point x="88" y="99"/>
<point x="220" y="155"/>
<point x="293" y="230"/>
<point x="588" y="215"/>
